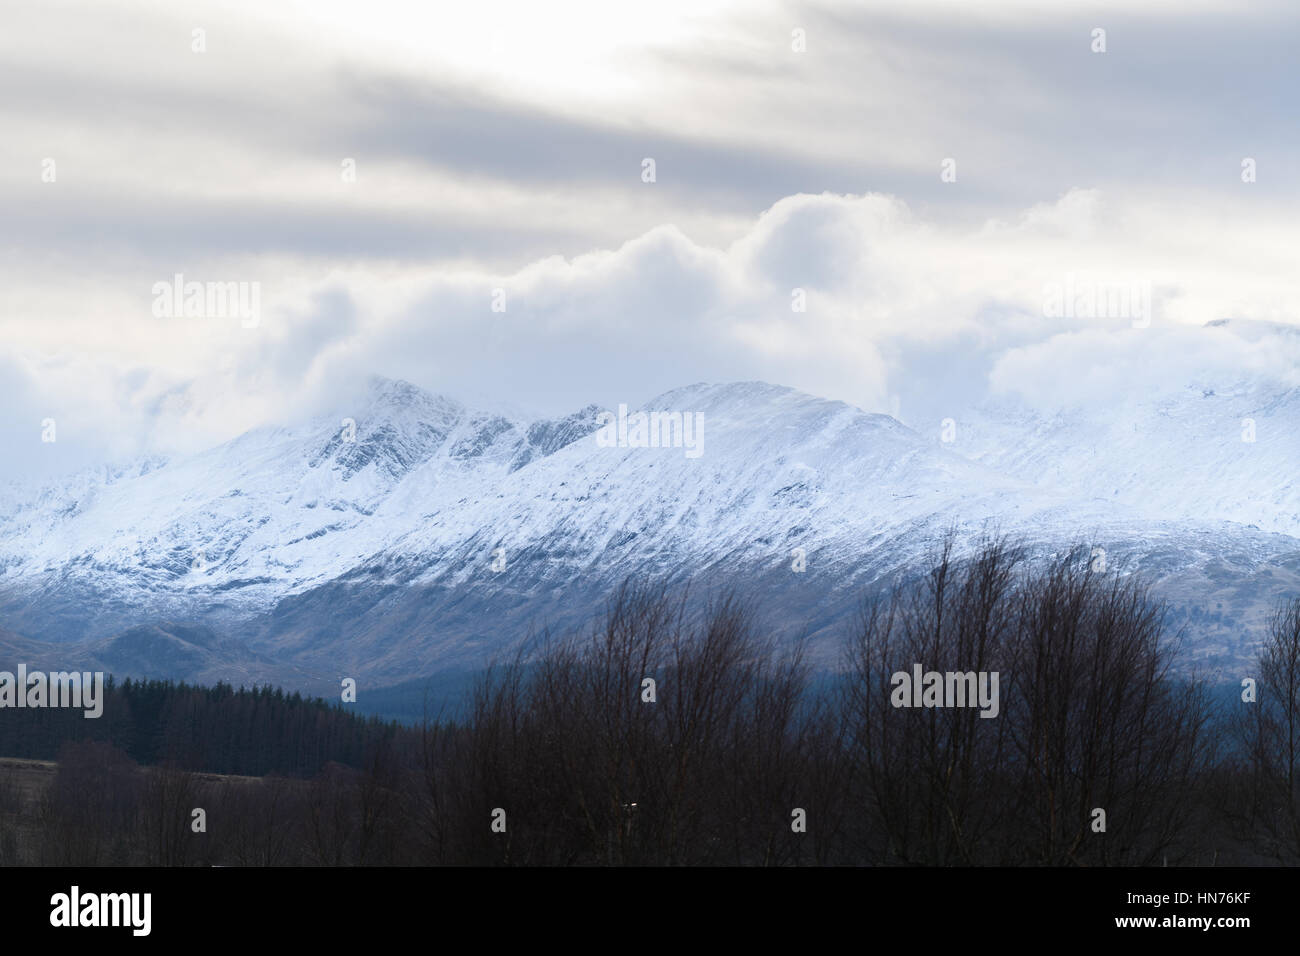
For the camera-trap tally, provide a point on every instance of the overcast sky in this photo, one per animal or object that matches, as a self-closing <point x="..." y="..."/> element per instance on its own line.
<point x="502" y="146"/>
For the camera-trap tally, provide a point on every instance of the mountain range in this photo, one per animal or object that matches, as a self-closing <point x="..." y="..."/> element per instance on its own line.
<point x="413" y="535"/>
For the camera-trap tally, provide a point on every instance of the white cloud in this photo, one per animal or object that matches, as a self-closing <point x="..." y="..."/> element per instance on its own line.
<point x="1112" y="367"/>
<point x="898" y="309"/>
<point x="476" y="168"/>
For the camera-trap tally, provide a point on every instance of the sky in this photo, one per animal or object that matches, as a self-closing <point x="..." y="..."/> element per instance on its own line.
<point x="871" y="202"/>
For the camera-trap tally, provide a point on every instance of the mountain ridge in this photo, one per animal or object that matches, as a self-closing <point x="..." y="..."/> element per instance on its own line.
<point x="418" y="533"/>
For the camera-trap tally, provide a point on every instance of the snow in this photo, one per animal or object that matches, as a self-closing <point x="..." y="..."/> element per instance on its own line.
<point x="430" y="488"/>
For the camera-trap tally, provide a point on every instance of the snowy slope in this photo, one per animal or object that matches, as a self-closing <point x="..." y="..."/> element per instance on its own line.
<point x="1185" y="455"/>
<point x="436" y="534"/>
<point x="274" y="510"/>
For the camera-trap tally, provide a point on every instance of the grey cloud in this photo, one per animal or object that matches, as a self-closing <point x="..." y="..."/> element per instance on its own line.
<point x="169" y="231"/>
<point x="475" y="136"/>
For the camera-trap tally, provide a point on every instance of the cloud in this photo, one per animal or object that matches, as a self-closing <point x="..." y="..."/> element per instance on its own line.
<point x="895" y="306"/>
<point x="857" y="298"/>
<point x="165" y="152"/>
<point x="1105" y="367"/>
<point x="498" y="147"/>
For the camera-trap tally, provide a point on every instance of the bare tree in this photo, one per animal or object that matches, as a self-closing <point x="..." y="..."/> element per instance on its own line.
<point x="1271" y="732"/>
<point x="1108" y="742"/>
<point x="169" y="799"/>
<point x="1095" y="745"/>
<point x="927" y="774"/>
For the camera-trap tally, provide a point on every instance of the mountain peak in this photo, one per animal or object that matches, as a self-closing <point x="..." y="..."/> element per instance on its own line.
<point x="396" y="393"/>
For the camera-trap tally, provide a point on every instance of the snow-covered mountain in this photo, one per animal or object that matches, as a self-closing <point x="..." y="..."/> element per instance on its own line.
<point x="413" y="534"/>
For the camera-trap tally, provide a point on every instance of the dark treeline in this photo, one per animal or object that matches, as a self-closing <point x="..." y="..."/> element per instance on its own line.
<point x="213" y="729"/>
<point x="670" y="737"/>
